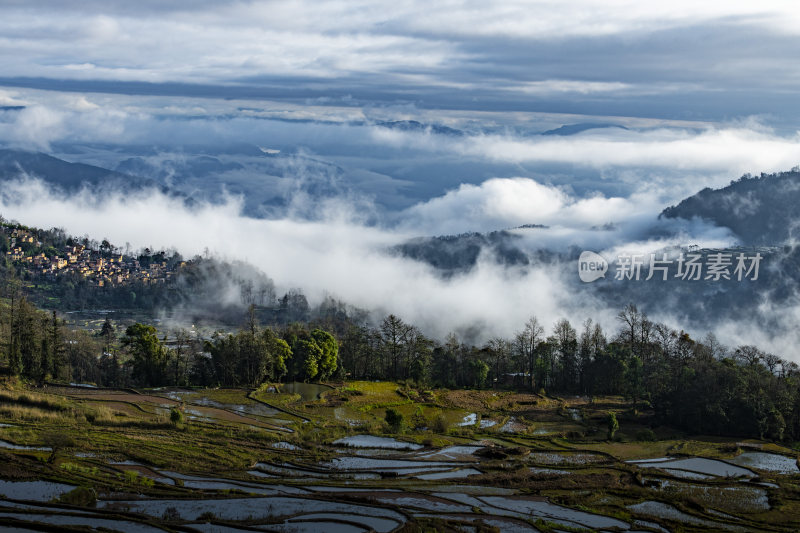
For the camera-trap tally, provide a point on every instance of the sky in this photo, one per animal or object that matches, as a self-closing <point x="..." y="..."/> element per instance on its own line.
<point x="681" y="59"/>
<point x="688" y="95"/>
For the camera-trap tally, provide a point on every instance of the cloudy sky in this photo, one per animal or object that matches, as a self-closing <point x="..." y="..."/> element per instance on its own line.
<point x="689" y="95"/>
<point x="679" y="59"/>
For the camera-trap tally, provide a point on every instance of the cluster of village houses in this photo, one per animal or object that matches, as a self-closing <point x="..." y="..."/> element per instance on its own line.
<point x="98" y="269"/>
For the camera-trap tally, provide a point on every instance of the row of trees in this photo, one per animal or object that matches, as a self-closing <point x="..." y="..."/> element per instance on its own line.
<point x="37" y="346"/>
<point x="397" y="350"/>
<point x="700" y="386"/>
<point x="697" y="385"/>
<point x="249" y="357"/>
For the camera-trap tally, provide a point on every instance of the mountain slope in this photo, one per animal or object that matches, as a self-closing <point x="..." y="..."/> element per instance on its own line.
<point x="63" y="174"/>
<point x="759" y="210"/>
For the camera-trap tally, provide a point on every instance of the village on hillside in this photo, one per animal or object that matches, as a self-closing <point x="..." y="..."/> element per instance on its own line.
<point x="102" y="266"/>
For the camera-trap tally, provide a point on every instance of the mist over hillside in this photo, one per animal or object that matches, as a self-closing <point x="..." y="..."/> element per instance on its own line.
<point x="481" y="282"/>
<point x="760" y="210"/>
<point x="450" y="168"/>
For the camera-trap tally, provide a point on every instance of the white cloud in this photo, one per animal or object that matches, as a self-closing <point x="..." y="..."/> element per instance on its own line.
<point x="546" y="19"/>
<point x="335" y="255"/>
<point x="570" y="86"/>
<point x="719" y="148"/>
<point x="656" y="166"/>
<point x="509" y="202"/>
<point x="342" y="256"/>
<point x="229" y="41"/>
<point x="36" y="127"/>
<point x="10" y="98"/>
<point x="732" y="150"/>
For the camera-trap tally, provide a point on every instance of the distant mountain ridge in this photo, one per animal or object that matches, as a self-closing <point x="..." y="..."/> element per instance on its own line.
<point x="574" y="129"/>
<point x="64" y="175"/>
<point x="193" y="177"/>
<point x="413" y="125"/>
<point x="761" y="210"/>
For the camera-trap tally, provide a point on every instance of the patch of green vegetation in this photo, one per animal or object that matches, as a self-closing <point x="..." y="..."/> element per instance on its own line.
<point x="80" y="496"/>
<point x="79" y="468"/>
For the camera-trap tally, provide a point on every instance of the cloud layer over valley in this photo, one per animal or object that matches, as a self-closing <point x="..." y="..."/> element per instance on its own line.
<point x="314" y="140"/>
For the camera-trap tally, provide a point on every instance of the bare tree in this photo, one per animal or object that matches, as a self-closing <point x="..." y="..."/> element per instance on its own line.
<point x="500" y="351"/>
<point x="631" y="322"/>
<point x="526" y="342"/>
<point x="748" y="355"/>
<point x="713" y="348"/>
<point x="394" y="336"/>
<point x="772" y="362"/>
<point x="567" y="344"/>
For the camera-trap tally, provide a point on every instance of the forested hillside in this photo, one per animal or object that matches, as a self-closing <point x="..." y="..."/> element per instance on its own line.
<point x="760" y="210"/>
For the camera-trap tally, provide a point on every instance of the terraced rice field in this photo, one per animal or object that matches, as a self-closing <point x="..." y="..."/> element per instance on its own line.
<point x="283" y="461"/>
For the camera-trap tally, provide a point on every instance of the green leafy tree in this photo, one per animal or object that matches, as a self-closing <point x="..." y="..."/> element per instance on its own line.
<point x="328" y="355"/>
<point x="480" y="371"/>
<point x="634" y="381"/>
<point x="310" y="354"/>
<point x="776" y="425"/>
<point x="356" y="353"/>
<point x="57" y="441"/>
<point x="279" y="353"/>
<point x="148" y="354"/>
<point x="314" y="354"/>
<point x="108" y="334"/>
<point x="224" y="350"/>
<point x="419" y="370"/>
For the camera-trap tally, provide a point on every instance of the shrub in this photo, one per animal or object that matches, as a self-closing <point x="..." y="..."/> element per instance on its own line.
<point x="613" y="425"/>
<point x="645" y="435"/>
<point x="440" y="424"/>
<point x="134" y="478"/>
<point x="81" y="496"/>
<point x="171" y="514"/>
<point x="57" y="440"/>
<point x="176" y="416"/>
<point x="394" y="419"/>
<point x="75" y="467"/>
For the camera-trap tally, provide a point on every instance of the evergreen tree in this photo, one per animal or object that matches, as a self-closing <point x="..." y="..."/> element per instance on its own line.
<point x="148" y="354"/>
